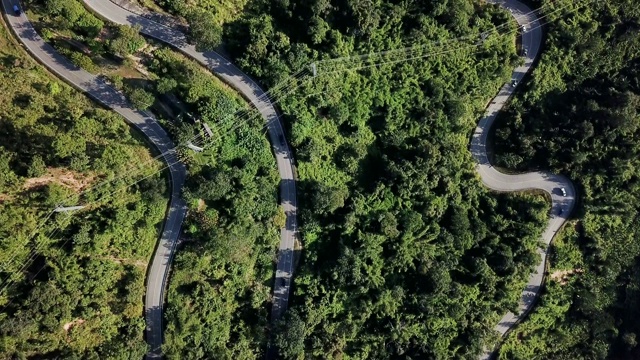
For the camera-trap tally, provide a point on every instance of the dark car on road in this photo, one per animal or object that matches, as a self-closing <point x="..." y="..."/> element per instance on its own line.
<point x="16" y="10"/>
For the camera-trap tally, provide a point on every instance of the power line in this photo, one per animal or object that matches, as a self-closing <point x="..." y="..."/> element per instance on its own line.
<point x="286" y="84"/>
<point x="291" y="84"/>
<point x="296" y="76"/>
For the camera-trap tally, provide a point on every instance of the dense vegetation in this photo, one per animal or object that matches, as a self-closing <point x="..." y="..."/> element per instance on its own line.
<point x="219" y="289"/>
<point x="152" y="76"/>
<point x="222" y="11"/>
<point x="72" y="285"/>
<point x="233" y="218"/>
<point x="405" y="253"/>
<point x="580" y="116"/>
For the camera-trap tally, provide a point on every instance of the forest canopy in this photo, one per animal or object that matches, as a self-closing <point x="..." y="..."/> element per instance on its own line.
<point x="72" y="285"/>
<point x="404" y="252"/>
<point x="580" y="115"/>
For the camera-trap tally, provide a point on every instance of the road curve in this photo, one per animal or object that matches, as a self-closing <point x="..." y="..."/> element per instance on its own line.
<point x="492" y="178"/>
<point x="99" y="90"/>
<point x="545" y="181"/>
<point x="245" y="85"/>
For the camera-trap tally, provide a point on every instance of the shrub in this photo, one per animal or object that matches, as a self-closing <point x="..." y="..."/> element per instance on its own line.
<point x="141" y="98"/>
<point x="83" y="61"/>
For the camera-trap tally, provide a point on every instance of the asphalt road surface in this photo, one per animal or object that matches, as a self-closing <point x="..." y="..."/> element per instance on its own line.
<point x="550" y="183"/>
<point x="99" y="90"/>
<point x="250" y="90"/>
<point x="495" y="180"/>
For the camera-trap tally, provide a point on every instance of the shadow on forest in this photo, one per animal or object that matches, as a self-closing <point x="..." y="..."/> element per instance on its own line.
<point x="9" y="60"/>
<point x="22" y="100"/>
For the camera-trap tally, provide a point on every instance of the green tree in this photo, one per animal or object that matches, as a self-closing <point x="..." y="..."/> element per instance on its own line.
<point x="141" y="98"/>
<point x="328" y="199"/>
<point x="591" y="301"/>
<point x="70" y="14"/>
<point x="166" y="84"/>
<point x="290" y="335"/>
<point x="69" y="310"/>
<point x="391" y="196"/>
<point x="204" y="29"/>
<point x="127" y="41"/>
<point x="37" y="167"/>
<point x="54" y="88"/>
<point x="84" y="62"/>
<point x="7" y="177"/>
<point x="280" y="220"/>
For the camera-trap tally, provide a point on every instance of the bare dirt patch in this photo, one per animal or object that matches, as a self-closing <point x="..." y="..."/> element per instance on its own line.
<point x="138" y="60"/>
<point x="563" y="276"/>
<point x="73" y="323"/>
<point x="63" y="177"/>
<point x="138" y="65"/>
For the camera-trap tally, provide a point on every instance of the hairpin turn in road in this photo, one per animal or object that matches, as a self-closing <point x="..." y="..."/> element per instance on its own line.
<point x="560" y="188"/>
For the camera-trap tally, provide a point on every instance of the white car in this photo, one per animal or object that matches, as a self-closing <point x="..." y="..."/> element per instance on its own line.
<point x="524" y="28"/>
<point x="564" y="192"/>
<point x="514" y="83"/>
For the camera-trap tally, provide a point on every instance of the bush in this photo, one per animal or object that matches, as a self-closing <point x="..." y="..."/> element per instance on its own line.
<point x="83" y="61"/>
<point x="7" y="177"/>
<point x="205" y="30"/>
<point x="127" y="41"/>
<point x="54" y="88"/>
<point x="116" y="80"/>
<point x="47" y="34"/>
<point x="71" y="14"/>
<point x="37" y="167"/>
<point x="165" y="85"/>
<point x="141" y="98"/>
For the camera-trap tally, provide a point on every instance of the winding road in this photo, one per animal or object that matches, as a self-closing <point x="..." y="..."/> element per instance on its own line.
<point x="102" y="92"/>
<point x="250" y="90"/>
<point x="545" y="181"/>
